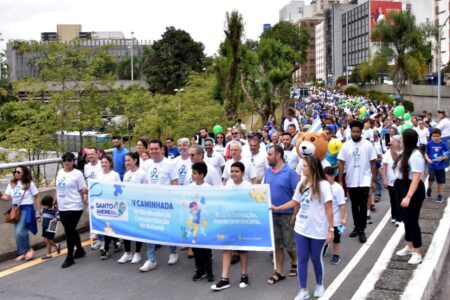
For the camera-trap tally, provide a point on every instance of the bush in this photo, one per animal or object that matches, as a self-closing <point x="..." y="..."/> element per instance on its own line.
<point x="352" y="91"/>
<point x="409" y="106"/>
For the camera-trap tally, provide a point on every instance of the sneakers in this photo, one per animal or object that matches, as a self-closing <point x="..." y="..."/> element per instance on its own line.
<point x="354" y="233"/>
<point x="173" y="258"/>
<point x="198" y="276"/>
<point x="136" y="258"/>
<point x="223" y="283"/>
<point x="416" y="258"/>
<point x="362" y="237"/>
<point x="393" y="221"/>
<point x="428" y="192"/>
<point x="104" y="255"/>
<point x="397" y="223"/>
<point x="319" y="290"/>
<point x="67" y="263"/>
<point x="405" y="251"/>
<point x="46" y="256"/>
<point x="148" y="265"/>
<point x="369" y="220"/>
<point x="302" y="295"/>
<point x="335" y="259"/>
<point x="439" y="199"/>
<point x="210" y="277"/>
<point x="377" y="198"/>
<point x="244" y="281"/>
<point x="126" y="257"/>
<point x="96" y="245"/>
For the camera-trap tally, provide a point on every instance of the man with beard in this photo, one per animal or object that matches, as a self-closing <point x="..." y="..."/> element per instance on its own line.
<point x="212" y="157"/>
<point x="282" y="180"/>
<point x="357" y="157"/>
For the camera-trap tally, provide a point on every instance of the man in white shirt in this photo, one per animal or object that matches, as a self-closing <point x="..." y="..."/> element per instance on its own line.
<point x="236" y="155"/>
<point x="183" y="162"/>
<point x="357" y="157"/>
<point x="197" y="155"/>
<point x="236" y="137"/>
<point x="93" y="167"/>
<point x="423" y="134"/>
<point x="290" y="154"/>
<point x="259" y="159"/>
<point x="160" y="170"/>
<point x="212" y="157"/>
<point x="290" y="114"/>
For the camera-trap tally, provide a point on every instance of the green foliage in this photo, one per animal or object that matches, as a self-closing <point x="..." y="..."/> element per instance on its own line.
<point x="409" y="106"/>
<point x="355" y="76"/>
<point x="352" y="91"/>
<point x="341" y="80"/>
<point x="123" y="69"/>
<point x="167" y="63"/>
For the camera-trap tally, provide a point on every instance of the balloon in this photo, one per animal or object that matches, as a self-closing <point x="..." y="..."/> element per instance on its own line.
<point x="334" y="146"/>
<point x="408" y="125"/>
<point x="217" y="129"/>
<point x="394" y="103"/>
<point x="407" y="116"/>
<point x="362" y="116"/>
<point x="399" y="111"/>
<point x="391" y="96"/>
<point x="362" y="110"/>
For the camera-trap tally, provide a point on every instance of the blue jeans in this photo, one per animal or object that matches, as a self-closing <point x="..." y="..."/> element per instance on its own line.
<point x="22" y="239"/>
<point x="379" y="183"/>
<point x="151" y="251"/>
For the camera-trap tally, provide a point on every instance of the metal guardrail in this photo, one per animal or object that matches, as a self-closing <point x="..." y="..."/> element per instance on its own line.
<point x="30" y="163"/>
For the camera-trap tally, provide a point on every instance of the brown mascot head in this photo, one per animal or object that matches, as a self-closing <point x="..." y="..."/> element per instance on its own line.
<point x="312" y="143"/>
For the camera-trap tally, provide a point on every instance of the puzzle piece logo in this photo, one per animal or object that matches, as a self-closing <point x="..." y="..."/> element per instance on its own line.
<point x="259" y="195"/>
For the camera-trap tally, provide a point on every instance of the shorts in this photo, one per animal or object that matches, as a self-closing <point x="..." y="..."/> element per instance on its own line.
<point x="283" y="232"/>
<point x="438" y="174"/>
<point x="48" y="235"/>
<point x="337" y="236"/>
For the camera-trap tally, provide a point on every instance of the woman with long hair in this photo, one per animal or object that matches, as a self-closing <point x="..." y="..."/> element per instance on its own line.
<point x="22" y="192"/>
<point x="313" y="224"/>
<point x="219" y="147"/>
<point x="409" y="168"/>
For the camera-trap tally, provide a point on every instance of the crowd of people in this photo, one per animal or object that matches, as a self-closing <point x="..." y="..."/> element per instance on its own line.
<point x="380" y="149"/>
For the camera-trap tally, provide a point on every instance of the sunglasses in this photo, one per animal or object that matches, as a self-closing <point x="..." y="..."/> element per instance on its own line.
<point x="67" y="160"/>
<point x="17" y="172"/>
<point x="219" y="137"/>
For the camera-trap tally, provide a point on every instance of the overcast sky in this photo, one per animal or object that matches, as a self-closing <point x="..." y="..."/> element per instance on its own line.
<point x="203" y="19"/>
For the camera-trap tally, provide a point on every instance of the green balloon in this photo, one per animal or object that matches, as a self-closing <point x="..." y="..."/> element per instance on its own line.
<point x="362" y="116"/>
<point x="399" y="111"/>
<point x="407" y="117"/>
<point x="391" y="97"/>
<point x="217" y="129"/>
<point x="402" y="128"/>
<point x="408" y="125"/>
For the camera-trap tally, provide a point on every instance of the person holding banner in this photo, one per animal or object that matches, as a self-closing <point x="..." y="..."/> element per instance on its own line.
<point x="313" y="224"/>
<point x="133" y="175"/>
<point x="160" y="170"/>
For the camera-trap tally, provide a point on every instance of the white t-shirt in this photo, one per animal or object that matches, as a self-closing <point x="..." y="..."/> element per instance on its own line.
<point x="249" y="173"/>
<point x="16" y="193"/>
<point x="138" y="176"/>
<point x="68" y="186"/>
<point x="311" y="220"/>
<point x="216" y="160"/>
<point x="183" y="167"/>
<point x="259" y="161"/>
<point x="246" y="153"/>
<point x="367" y="134"/>
<point x="219" y="149"/>
<point x="91" y="172"/>
<point x="338" y="199"/>
<point x="162" y="172"/>
<point x="416" y="164"/>
<point x="389" y="162"/>
<point x="203" y="184"/>
<point x="291" y="158"/>
<point x="444" y="126"/>
<point x="423" y="135"/>
<point x="286" y="123"/>
<point x="243" y="183"/>
<point x="357" y="157"/>
<point x="111" y="176"/>
<point x="212" y="178"/>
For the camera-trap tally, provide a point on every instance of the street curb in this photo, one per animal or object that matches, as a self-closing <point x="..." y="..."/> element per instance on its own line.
<point x="426" y="276"/>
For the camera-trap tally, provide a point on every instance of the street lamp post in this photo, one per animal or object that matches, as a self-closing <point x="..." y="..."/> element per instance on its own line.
<point x="132" y="67"/>
<point x="179" y="99"/>
<point x="439" y="64"/>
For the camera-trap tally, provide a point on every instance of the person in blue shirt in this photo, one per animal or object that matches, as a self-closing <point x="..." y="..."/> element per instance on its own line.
<point x="282" y="180"/>
<point x="436" y="153"/>
<point x="172" y="149"/>
<point x="119" y="153"/>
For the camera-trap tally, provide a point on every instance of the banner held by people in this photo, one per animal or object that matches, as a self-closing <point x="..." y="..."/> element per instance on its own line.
<point x="236" y="218"/>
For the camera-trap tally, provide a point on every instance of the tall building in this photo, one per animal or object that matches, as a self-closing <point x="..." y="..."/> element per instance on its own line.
<point x="295" y="11"/>
<point x="319" y="6"/>
<point x="307" y="71"/>
<point x="68" y="32"/>
<point x="442" y="13"/>
<point x="320" y="52"/>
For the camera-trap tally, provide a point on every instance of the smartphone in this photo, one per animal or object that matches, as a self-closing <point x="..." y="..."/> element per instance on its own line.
<point x="52" y="226"/>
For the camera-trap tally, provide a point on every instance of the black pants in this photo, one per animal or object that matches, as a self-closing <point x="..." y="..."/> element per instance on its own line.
<point x="127" y="245"/>
<point x="395" y="205"/>
<point x="108" y="241"/>
<point x="359" y="196"/>
<point x="411" y="213"/>
<point x="203" y="260"/>
<point x="69" y="219"/>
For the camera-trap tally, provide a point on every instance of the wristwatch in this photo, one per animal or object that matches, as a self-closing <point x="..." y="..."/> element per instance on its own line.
<point x="331" y="229"/>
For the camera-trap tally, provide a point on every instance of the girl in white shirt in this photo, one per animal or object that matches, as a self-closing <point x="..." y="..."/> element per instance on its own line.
<point x="388" y="176"/>
<point x="314" y="223"/>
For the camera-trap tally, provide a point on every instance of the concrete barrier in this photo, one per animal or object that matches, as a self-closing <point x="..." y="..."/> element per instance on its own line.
<point x="8" y="248"/>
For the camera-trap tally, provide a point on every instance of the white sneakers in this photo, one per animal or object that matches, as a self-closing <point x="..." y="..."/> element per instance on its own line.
<point x="126" y="257"/>
<point x="173" y="258"/>
<point x="416" y="258"/>
<point x="148" y="265"/>
<point x="319" y="290"/>
<point x="136" y="258"/>
<point x="405" y="251"/>
<point x="302" y="295"/>
<point x="96" y="245"/>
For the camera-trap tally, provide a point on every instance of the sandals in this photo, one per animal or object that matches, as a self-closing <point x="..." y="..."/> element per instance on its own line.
<point x="293" y="270"/>
<point x="275" y="278"/>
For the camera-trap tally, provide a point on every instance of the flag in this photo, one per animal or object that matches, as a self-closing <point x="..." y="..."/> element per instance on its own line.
<point x="316" y="126"/>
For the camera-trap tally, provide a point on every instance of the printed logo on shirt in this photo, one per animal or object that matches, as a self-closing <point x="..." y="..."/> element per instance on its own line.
<point x="61" y="182"/>
<point x="305" y="204"/>
<point x="91" y="176"/>
<point x="108" y="209"/>
<point x="182" y="173"/>
<point x="154" y="176"/>
<point x="356" y="158"/>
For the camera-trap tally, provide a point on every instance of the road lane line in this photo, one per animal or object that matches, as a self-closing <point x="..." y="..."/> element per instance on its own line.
<point x="35" y="262"/>
<point x="332" y="288"/>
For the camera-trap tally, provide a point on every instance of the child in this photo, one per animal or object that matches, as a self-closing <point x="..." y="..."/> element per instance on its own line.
<point x="339" y="213"/>
<point x="48" y="213"/>
<point x="203" y="257"/>
<point x="237" y="179"/>
<point x="436" y="153"/>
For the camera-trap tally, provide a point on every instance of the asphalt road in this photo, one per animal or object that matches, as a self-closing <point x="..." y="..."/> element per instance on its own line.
<point x="91" y="278"/>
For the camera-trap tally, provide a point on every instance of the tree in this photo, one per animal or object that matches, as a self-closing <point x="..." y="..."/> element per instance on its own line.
<point x="123" y="69"/>
<point x="3" y="66"/>
<point x="403" y="44"/>
<point x="355" y="76"/>
<point x="167" y="63"/>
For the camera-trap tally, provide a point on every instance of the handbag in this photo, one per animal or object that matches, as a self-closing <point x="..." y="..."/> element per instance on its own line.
<point x="12" y="215"/>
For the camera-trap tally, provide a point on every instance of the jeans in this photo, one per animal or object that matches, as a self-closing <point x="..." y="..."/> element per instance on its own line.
<point x="151" y="251"/>
<point x="69" y="219"/>
<point x="379" y="184"/>
<point x="22" y="239"/>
